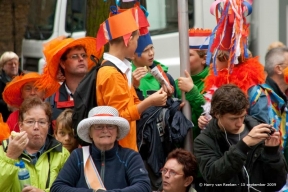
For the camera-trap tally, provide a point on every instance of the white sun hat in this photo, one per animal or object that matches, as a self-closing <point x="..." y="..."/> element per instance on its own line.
<point x="102" y="115"/>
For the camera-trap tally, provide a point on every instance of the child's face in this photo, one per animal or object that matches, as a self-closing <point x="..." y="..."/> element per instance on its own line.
<point x="66" y="138"/>
<point x="146" y="58"/>
<point x="132" y="46"/>
<point x="197" y="64"/>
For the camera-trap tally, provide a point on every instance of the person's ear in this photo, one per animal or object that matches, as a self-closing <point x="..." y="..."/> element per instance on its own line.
<point x="188" y="181"/>
<point x="20" y="126"/>
<point x="203" y="62"/>
<point x="62" y="65"/>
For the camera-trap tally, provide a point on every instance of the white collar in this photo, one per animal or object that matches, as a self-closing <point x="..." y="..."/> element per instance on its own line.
<point x="124" y="65"/>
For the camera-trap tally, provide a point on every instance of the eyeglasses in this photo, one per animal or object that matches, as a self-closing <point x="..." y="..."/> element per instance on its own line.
<point x="77" y="56"/>
<point x="171" y="172"/>
<point x="31" y="123"/>
<point x="101" y="127"/>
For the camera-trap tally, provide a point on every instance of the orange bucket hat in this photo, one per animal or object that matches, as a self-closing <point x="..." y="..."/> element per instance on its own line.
<point x="12" y="91"/>
<point x="53" y="51"/>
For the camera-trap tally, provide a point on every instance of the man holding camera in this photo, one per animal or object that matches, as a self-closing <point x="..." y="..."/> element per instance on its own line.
<point x="235" y="152"/>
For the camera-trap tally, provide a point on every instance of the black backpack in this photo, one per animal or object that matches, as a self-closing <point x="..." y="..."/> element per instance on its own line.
<point x="85" y="95"/>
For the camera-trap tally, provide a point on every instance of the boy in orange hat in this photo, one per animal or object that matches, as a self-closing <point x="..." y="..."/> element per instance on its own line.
<point x="71" y="58"/>
<point x="114" y="88"/>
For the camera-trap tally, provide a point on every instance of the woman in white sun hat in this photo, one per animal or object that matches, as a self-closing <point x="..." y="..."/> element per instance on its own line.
<point x="104" y="165"/>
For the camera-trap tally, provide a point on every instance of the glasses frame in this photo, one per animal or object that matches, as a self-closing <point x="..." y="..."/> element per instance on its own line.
<point x="77" y="56"/>
<point x="25" y="122"/>
<point x="102" y="126"/>
<point x="171" y="172"/>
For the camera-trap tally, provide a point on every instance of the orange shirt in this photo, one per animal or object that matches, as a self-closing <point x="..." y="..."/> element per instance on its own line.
<point x="112" y="89"/>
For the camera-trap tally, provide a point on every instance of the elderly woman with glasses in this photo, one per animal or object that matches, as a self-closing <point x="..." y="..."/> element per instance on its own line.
<point x="42" y="154"/>
<point x="179" y="171"/>
<point x="103" y="165"/>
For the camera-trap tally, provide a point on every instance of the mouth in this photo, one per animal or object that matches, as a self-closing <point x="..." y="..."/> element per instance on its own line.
<point x="104" y="137"/>
<point x="82" y="66"/>
<point x="165" y="183"/>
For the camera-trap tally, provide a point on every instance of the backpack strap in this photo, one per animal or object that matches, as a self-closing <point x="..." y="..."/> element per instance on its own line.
<point x="91" y="174"/>
<point x="109" y="63"/>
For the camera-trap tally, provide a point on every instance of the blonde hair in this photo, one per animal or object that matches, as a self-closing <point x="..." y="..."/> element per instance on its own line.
<point x="65" y="120"/>
<point x="6" y="56"/>
<point x="275" y="44"/>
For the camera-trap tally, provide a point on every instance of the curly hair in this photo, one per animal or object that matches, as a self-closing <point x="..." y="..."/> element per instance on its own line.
<point x="228" y="99"/>
<point x="30" y="103"/>
<point x="186" y="159"/>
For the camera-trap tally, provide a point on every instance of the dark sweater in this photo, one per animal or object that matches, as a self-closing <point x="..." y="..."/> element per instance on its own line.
<point x="124" y="171"/>
<point x="219" y="163"/>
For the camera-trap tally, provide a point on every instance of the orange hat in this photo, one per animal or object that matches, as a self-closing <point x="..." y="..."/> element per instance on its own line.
<point x="53" y="51"/>
<point x="120" y="24"/>
<point x="12" y="91"/>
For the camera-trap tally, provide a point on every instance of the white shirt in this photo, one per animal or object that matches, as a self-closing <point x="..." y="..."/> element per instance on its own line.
<point x="69" y="93"/>
<point x="124" y="66"/>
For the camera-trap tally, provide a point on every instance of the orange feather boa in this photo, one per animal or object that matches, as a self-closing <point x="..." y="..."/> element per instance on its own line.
<point x="244" y="75"/>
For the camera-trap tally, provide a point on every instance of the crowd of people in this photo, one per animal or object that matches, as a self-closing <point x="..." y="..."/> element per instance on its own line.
<point x="133" y="140"/>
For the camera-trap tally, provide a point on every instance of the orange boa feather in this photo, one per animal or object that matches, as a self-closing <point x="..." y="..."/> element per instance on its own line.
<point x="244" y="75"/>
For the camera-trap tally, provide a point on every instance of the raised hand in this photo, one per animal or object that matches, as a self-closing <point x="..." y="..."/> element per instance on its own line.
<point x="158" y="98"/>
<point x="185" y="83"/>
<point x="137" y="75"/>
<point x="258" y="134"/>
<point x="17" y="145"/>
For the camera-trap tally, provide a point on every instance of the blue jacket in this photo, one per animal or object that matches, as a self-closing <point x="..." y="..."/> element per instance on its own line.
<point x="271" y="111"/>
<point x="124" y="171"/>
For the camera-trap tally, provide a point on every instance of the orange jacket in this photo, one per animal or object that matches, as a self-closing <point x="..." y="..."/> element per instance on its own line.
<point x="112" y="90"/>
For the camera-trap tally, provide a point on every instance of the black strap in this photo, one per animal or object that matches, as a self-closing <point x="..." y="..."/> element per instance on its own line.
<point x="48" y="179"/>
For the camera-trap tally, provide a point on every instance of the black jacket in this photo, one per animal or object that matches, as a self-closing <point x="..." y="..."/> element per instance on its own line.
<point x="171" y="123"/>
<point x="219" y="163"/>
<point x="59" y="101"/>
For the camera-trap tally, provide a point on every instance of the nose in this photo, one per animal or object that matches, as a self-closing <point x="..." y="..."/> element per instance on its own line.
<point x="239" y="122"/>
<point x="67" y="137"/>
<point x="36" y="125"/>
<point x="151" y="52"/>
<point x="33" y="91"/>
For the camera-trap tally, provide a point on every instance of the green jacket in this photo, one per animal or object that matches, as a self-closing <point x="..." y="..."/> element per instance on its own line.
<point x="149" y="83"/>
<point x="39" y="172"/>
<point x="195" y="98"/>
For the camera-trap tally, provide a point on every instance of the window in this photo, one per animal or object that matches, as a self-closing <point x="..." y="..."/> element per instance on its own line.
<point x="40" y="19"/>
<point x="163" y="15"/>
<point x="75" y="15"/>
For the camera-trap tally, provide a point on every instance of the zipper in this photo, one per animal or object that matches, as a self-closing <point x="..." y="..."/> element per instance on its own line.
<point x="102" y="165"/>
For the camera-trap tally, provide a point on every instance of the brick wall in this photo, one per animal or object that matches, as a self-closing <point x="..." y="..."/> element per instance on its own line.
<point x="13" y="24"/>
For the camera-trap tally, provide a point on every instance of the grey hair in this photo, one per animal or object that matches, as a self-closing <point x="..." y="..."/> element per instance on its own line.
<point x="274" y="57"/>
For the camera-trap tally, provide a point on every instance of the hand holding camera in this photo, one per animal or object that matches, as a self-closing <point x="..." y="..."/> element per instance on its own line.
<point x="259" y="133"/>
